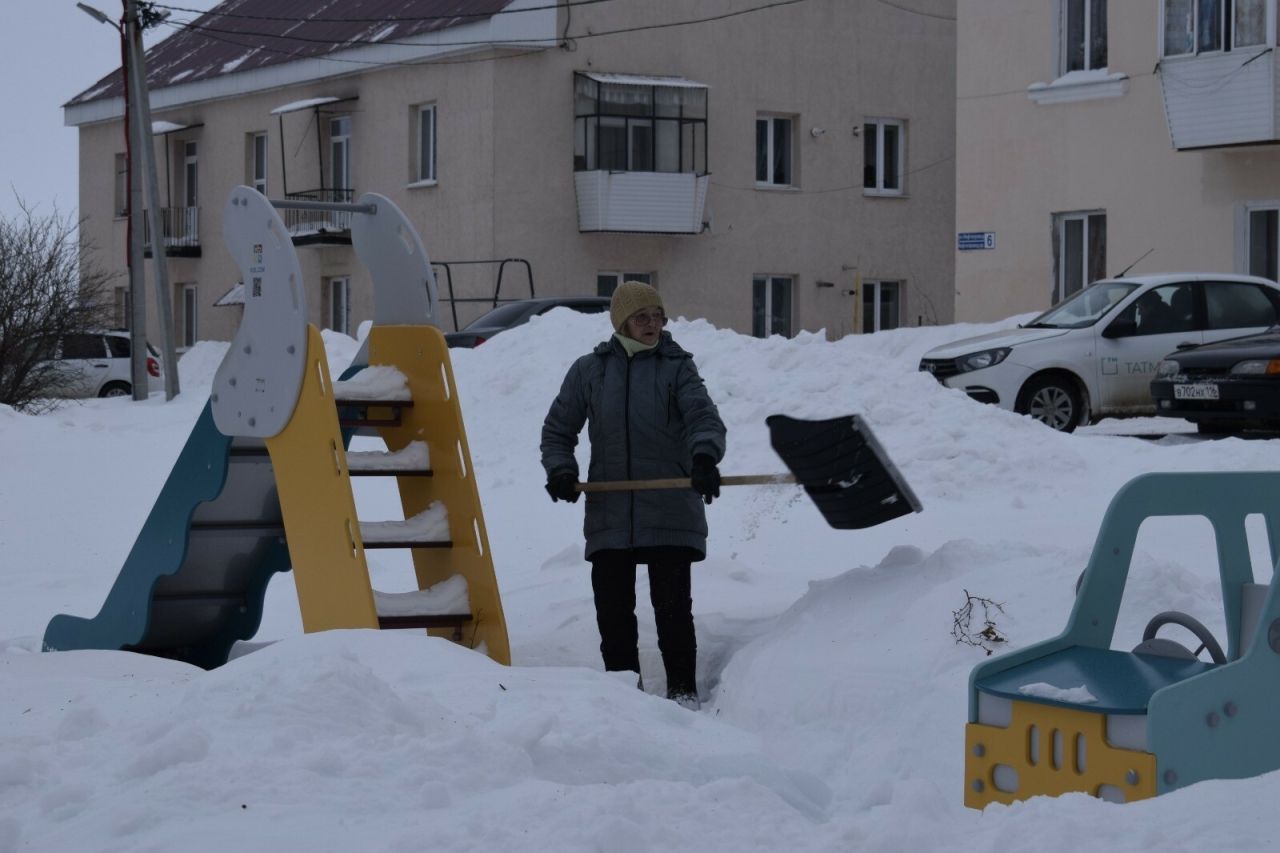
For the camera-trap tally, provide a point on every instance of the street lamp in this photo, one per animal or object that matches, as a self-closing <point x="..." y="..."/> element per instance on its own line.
<point x="138" y="126"/>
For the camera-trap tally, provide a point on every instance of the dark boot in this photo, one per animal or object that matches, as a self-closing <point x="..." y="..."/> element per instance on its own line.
<point x="669" y="590"/>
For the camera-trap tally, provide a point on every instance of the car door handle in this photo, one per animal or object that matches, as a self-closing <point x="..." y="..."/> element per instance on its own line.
<point x="102" y="366"/>
<point x="1187" y="345"/>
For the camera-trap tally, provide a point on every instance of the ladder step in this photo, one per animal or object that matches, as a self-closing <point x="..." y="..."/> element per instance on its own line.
<point x="378" y="385"/>
<point x="367" y="422"/>
<point x="448" y="620"/>
<point x="250" y="454"/>
<point x="412" y="460"/>
<point x="384" y="544"/>
<point x="427" y="529"/>
<point x="237" y="528"/>
<point x="405" y="403"/>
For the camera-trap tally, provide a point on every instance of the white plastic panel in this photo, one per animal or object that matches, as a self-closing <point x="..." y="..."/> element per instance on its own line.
<point x="257" y="385"/>
<point x="404" y="288"/>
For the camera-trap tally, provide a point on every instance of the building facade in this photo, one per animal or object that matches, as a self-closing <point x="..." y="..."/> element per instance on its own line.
<point x="771" y="170"/>
<point x="1096" y="136"/>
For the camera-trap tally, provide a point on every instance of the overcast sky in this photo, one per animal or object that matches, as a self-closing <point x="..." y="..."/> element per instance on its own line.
<point x="52" y="51"/>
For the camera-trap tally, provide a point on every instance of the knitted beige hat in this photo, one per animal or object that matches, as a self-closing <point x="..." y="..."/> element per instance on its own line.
<point x="630" y="297"/>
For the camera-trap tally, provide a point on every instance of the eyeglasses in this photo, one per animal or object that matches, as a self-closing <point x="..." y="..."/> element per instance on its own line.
<point x="642" y="319"/>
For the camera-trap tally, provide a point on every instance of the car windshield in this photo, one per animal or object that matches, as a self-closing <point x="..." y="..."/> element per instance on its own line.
<point x="500" y="317"/>
<point x="1085" y="307"/>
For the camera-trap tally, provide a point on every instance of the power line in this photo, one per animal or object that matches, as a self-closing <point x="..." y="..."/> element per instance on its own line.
<point x="918" y="12"/>
<point x="838" y="189"/>
<point x="191" y="27"/>
<point x="383" y="19"/>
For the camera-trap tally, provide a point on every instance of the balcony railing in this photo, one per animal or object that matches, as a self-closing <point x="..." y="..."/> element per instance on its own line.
<point x="181" y="231"/>
<point x="319" y="226"/>
<point x="1221" y="99"/>
<point x="641" y="202"/>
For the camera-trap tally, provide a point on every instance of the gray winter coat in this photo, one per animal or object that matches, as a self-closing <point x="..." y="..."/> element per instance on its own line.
<point x="648" y="416"/>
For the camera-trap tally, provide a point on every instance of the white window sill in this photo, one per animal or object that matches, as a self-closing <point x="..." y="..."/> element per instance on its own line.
<point x="416" y="184"/>
<point x="1080" y="86"/>
<point x="883" y="193"/>
<point x="783" y="188"/>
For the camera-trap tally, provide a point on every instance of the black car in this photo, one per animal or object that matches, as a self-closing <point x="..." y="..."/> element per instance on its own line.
<point x="517" y="313"/>
<point x="1223" y="386"/>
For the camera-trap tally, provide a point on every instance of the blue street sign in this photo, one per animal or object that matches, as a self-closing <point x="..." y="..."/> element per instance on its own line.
<point x="968" y="240"/>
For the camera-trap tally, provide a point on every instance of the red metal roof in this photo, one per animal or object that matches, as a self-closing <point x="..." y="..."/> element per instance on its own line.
<point x="240" y="35"/>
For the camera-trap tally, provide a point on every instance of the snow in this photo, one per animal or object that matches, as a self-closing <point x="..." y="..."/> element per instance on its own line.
<point x="1081" y="78"/>
<point x="1077" y="695"/>
<point x="228" y="67"/>
<point x="430" y="525"/>
<point x="381" y="383"/>
<point x="445" y="598"/>
<point x="293" y="106"/>
<point x="414" y="456"/>
<point x="834" y="692"/>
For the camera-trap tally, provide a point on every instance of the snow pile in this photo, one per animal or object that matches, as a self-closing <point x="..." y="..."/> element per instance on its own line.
<point x="382" y="383"/>
<point x="834" y="688"/>
<point x="414" y="456"/>
<point x="450" y="596"/>
<point x="430" y="525"/>
<point x="1075" y="695"/>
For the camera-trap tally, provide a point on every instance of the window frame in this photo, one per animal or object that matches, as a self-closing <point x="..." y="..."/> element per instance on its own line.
<point x="879" y="189"/>
<point x="258" y="145"/>
<point x="121" y="184"/>
<point x="770" y="120"/>
<point x="339" y="283"/>
<point x="1060" y="221"/>
<point x="190" y="315"/>
<point x="674" y="115"/>
<point x="1246" y="265"/>
<point x="1228" y="28"/>
<point x="342" y="140"/>
<point x="649" y="278"/>
<point x="427" y="143"/>
<point x="190" y="173"/>
<point x="877" y="286"/>
<point x="770" y="318"/>
<point x="1064" y="34"/>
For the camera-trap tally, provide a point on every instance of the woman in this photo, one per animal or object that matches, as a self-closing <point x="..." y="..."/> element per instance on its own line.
<point x="650" y="418"/>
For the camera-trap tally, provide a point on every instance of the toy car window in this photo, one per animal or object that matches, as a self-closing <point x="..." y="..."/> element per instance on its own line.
<point x="1237" y="305"/>
<point x="83" y="346"/>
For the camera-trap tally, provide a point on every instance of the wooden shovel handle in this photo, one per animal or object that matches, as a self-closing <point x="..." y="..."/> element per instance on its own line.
<point x="683" y="483"/>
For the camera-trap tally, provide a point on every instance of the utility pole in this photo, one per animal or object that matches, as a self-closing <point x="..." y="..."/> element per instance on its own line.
<point x="141" y="112"/>
<point x="137" y="274"/>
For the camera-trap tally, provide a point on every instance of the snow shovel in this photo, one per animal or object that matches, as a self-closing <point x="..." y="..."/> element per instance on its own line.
<point x="839" y="463"/>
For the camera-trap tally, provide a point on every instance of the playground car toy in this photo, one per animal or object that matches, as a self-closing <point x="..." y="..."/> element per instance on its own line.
<point x="1073" y="714"/>
<point x="1094" y="354"/>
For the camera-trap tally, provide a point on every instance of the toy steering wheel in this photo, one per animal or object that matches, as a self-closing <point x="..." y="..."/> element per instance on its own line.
<point x="1193" y="625"/>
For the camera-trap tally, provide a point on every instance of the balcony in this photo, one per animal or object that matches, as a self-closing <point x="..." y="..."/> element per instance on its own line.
<point x="640" y="202"/>
<point x="1221" y="99"/>
<point x="319" y="227"/>
<point x="181" y="232"/>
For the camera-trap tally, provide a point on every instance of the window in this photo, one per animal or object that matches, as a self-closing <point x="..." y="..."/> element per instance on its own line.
<point x="340" y="153"/>
<point x="1264" y="228"/>
<point x="187" y="334"/>
<point x="123" y="308"/>
<point x="258" y="162"/>
<point x="1084" y="35"/>
<point x="339" y="318"/>
<point x="190" y="174"/>
<point x="1163" y="310"/>
<point x="607" y="282"/>
<point x="1205" y="26"/>
<point x="771" y="305"/>
<point x="639" y="126"/>
<point x="773" y="152"/>
<point x="1237" y="305"/>
<point x="880" y="305"/>
<point x="122" y="186"/>
<point x="83" y="346"/>
<point x="426" y="143"/>
<point x="1079" y="251"/>
<point x="882" y="144"/>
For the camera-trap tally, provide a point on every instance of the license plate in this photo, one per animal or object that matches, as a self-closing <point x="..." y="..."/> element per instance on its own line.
<point x="1203" y="391"/>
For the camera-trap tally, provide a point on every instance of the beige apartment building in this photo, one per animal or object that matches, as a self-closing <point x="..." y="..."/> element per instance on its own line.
<point x="1096" y="135"/>
<point x="769" y="169"/>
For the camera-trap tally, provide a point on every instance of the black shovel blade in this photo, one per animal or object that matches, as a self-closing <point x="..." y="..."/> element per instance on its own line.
<point x="844" y="469"/>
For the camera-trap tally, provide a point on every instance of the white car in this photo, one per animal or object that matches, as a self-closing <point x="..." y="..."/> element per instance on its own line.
<point x="1094" y="354"/>
<point x="98" y="365"/>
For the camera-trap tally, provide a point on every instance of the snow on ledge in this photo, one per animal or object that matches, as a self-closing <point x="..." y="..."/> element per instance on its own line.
<point x="414" y="456"/>
<point x="1080" y="86"/>
<point x="445" y="598"/>
<point x="382" y="383"/>
<point x="1076" y="695"/>
<point x="430" y="525"/>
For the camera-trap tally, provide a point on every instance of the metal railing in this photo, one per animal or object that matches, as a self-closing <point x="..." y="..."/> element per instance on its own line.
<point x="309" y="221"/>
<point x="181" y="228"/>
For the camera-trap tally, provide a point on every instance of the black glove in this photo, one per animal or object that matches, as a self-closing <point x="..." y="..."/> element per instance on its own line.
<point x="706" y="477"/>
<point x="561" y="488"/>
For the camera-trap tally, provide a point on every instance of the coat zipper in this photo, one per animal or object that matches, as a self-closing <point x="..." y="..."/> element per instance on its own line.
<point x="626" y="416"/>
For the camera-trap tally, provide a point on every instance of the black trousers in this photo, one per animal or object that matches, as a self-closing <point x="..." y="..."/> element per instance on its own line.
<point x="613" y="580"/>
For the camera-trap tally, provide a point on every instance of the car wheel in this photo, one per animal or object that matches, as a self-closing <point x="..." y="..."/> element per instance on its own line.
<point x="1053" y="401"/>
<point x="116" y="389"/>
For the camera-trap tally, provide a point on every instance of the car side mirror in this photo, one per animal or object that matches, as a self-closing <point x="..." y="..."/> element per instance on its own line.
<point x="1121" y="327"/>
